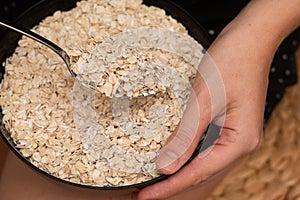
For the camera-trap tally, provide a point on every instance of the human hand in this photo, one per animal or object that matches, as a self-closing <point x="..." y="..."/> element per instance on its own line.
<point x="240" y="118"/>
<point x="230" y="91"/>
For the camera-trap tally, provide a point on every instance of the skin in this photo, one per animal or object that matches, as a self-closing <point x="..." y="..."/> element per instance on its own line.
<point x="242" y="53"/>
<point x="3" y="154"/>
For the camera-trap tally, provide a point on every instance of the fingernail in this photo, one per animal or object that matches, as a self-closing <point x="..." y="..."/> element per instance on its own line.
<point x="167" y="160"/>
<point x="205" y="152"/>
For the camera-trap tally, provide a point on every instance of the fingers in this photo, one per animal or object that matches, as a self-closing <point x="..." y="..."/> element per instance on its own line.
<point x="202" y="168"/>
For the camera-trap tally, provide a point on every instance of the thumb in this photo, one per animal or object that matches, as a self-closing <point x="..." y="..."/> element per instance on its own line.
<point x="184" y="140"/>
<point x="207" y="101"/>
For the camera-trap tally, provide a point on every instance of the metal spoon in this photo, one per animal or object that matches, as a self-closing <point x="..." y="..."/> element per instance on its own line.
<point x="59" y="51"/>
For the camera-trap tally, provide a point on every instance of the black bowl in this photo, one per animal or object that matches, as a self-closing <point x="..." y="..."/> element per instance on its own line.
<point x="8" y="43"/>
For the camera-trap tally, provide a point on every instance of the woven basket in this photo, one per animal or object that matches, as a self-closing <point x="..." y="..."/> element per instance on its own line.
<point x="273" y="172"/>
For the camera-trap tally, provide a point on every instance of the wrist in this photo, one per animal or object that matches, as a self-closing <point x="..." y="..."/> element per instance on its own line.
<point x="267" y="22"/>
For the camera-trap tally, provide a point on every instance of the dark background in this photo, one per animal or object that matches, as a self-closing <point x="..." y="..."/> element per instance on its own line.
<point x="10" y="9"/>
<point x="212" y="14"/>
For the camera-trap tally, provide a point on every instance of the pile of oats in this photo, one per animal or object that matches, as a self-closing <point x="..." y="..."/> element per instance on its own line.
<point x="108" y="138"/>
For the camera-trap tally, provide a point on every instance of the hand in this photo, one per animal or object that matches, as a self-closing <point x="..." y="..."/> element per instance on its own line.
<point x="230" y="91"/>
<point x="241" y="123"/>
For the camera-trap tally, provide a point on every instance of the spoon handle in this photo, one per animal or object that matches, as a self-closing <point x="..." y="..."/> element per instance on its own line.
<point x="38" y="38"/>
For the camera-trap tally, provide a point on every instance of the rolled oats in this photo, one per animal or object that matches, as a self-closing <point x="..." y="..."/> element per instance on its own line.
<point x="107" y="138"/>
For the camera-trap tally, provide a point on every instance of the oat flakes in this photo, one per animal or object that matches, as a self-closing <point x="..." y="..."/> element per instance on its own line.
<point x="108" y="138"/>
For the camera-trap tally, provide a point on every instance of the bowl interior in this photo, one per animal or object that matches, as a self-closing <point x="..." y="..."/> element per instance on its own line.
<point x="44" y="8"/>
